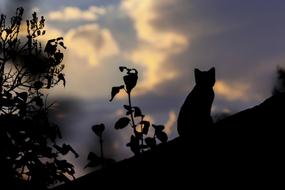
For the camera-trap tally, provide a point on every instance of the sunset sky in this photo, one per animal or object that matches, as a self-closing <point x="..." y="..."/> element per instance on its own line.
<point x="165" y="40"/>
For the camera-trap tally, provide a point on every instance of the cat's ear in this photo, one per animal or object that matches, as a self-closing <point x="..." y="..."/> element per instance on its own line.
<point x="197" y="74"/>
<point x="212" y="71"/>
<point x="212" y="75"/>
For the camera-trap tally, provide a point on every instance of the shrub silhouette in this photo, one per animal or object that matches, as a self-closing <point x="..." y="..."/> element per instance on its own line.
<point x="139" y="141"/>
<point x="28" y="149"/>
<point x="279" y="86"/>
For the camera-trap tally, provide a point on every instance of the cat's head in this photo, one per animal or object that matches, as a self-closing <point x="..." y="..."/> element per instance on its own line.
<point x="205" y="78"/>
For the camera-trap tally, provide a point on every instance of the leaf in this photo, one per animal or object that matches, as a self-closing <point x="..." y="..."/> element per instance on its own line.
<point x="71" y="171"/>
<point x="122" y="123"/>
<point x="34" y="15"/>
<point x="64" y="166"/>
<point x="98" y="129"/>
<point x="146" y="125"/>
<point x="162" y="136"/>
<point x="92" y="156"/>
<point x="64" y="149"/>
<point x="38" y="85"/>
<point x="50" y="48"/>
<point x="39" y="101"/>
<point x="59" y="38"/>
<point x="62" y="45"/>
<point x="122" y="68"/>
<point x="115" y="91"/>
<point x="158" y="127"/>
<point x="129" y="112"/>
<point x="138" y="134"/>
<point x="127" y="107"/>
<point x="138" y="112"/>
<point x="8" y="31"/>
<point x="94" y="160"/>
<point x="130" y="81"/>
<point x="58" y="57"/>
<point x="51" y="40"/>
<point x="61" y="77"/>
<point x="134" y="145"/>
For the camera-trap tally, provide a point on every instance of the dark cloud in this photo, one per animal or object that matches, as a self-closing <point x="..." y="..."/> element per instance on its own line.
<point x="97" y="39"/>
<point x="10" y="6"/>
<point x="122" y="29"/>
<point x="243" y="40"/>
<point x="82" y="4"/>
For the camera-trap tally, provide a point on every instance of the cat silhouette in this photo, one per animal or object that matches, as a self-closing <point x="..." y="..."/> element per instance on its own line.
<point x="195" y="113"/>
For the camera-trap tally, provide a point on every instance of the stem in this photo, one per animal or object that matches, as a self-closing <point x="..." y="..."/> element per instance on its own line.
<point x="133" y="120"/>
<point x="101" y="149"/>
<point x="2" y="70"/>
<point x="142" y="137"/>
<point x="130" y="104"/>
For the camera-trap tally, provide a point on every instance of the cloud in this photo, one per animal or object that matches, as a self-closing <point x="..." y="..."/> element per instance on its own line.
<point x="231" y="92"/>
<point x="155" y="46"/>
<point x="91" y="42"/>
<point x="152" y="60"/>
<point x="169" y="39"/>
<point x="243" y="48"/>
<point x="9" y="7"/>
<point x="143" y="14"/>
<point x="170" y="124"/>
<point x="76" y="14"/>
<point x="91" y="60"/>
<point x="51" y="33"/>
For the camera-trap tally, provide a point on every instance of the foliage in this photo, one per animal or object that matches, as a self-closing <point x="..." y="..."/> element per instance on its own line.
<point x="140" y="141"/>
<point x="28" y="146"/>
<point x="279" y="86"/>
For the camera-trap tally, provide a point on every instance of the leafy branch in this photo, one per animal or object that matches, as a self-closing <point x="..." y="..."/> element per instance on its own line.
<point x="139" y="141"/>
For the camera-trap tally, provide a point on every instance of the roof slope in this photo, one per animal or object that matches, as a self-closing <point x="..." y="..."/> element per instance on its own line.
<point x="243" y="149"/>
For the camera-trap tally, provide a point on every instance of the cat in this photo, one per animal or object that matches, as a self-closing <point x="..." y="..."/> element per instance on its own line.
<point x="195" y="113"/>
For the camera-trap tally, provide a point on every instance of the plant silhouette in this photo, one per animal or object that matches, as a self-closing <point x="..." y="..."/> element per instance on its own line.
<point x="28" y="150"/>
<point x="195" y="113"/>
<point x="139" y="141"/>
<point x="243" y="148"/>
<point x="279" y="86"/>
<point x="95" y="160"/>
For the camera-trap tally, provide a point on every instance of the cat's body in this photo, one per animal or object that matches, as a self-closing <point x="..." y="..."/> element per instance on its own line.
<point x="195" y="113"/>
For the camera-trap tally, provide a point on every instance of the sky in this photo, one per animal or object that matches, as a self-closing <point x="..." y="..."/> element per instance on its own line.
<point x="165" y="41"/>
